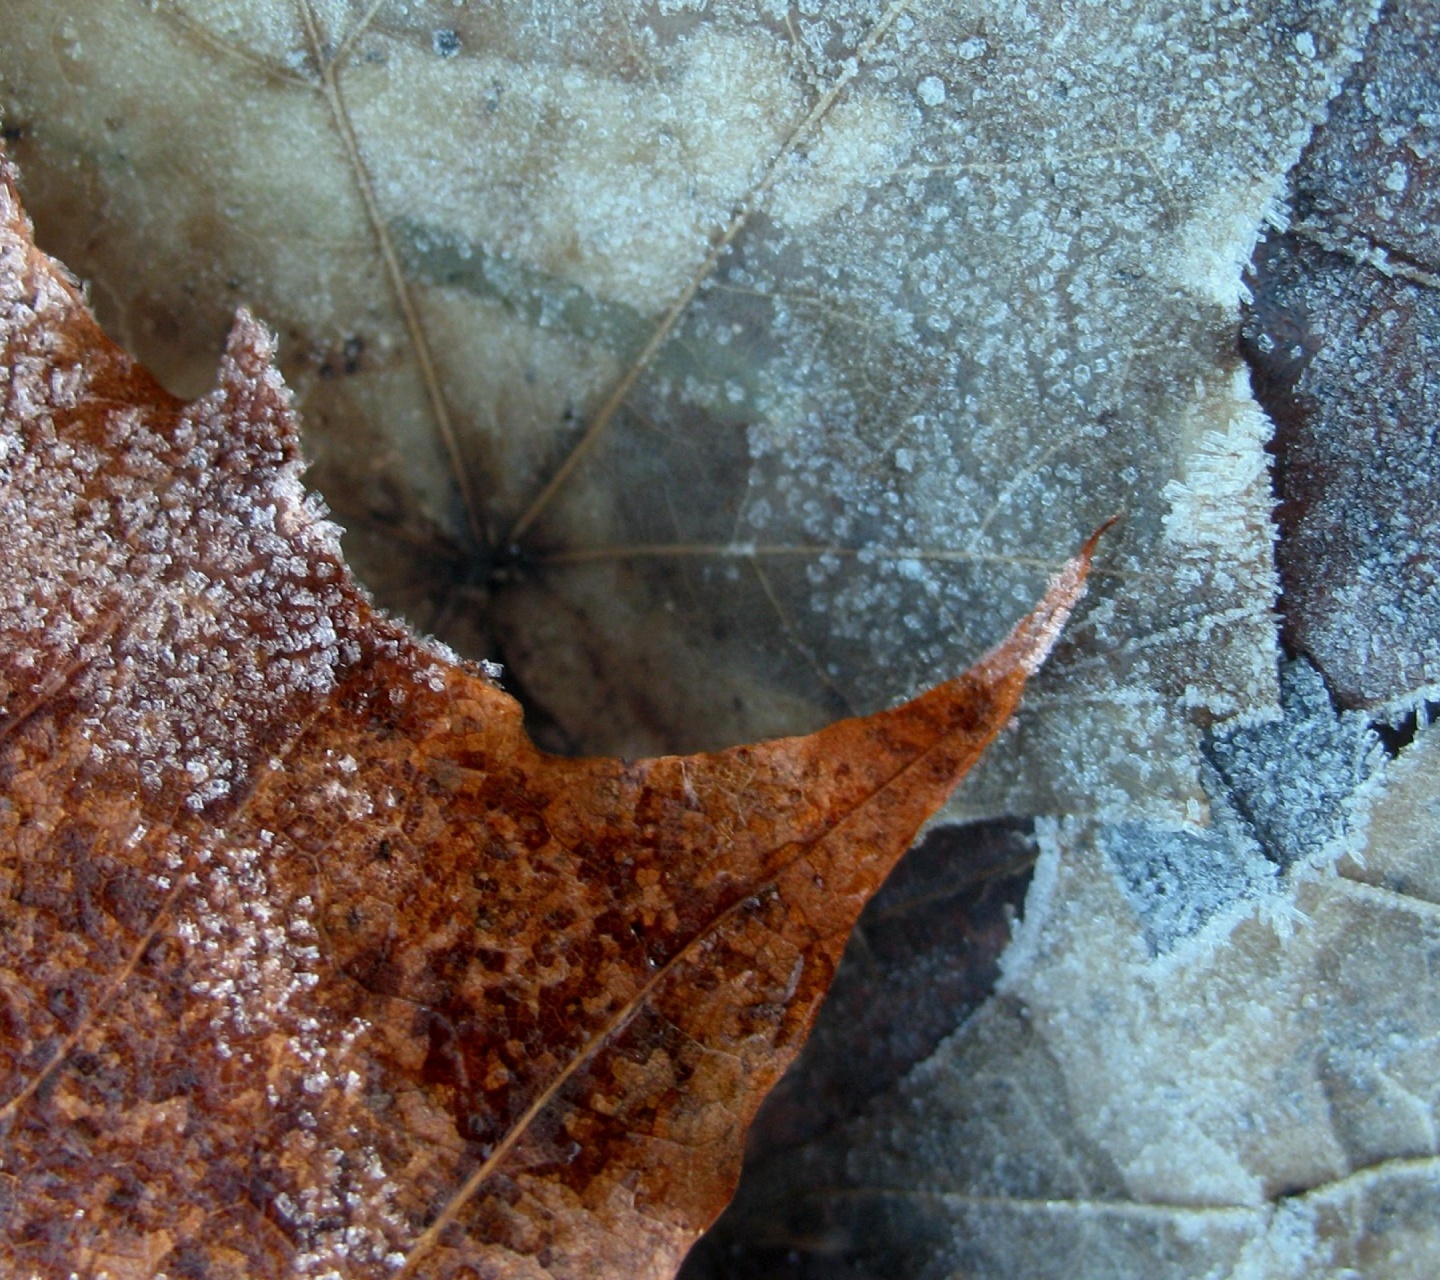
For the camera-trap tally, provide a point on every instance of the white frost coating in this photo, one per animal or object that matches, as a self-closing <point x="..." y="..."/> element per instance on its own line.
<point x="1226" y="1023"/>
<point x="1040" y="901"/>
<point x="975" y="354"/>
<point x="1230" y="1025"/>
<point x="959" y="331"/>
<point x="1067" y="585"/>
<point x="258" y="948"/>
<point x="612" y="185"/>
<point x="166" y="579"/>
<point x="1214" y="501"/>
<point x="865" y="139"/>
<point x="255" y="967"/>
<point x="1210" y="253"/>
<point x="1250" y="1103"/>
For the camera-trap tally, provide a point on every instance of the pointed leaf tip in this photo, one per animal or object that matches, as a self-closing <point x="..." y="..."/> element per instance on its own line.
<point x="1034" y="636"/>
<point x="506" y="997"/>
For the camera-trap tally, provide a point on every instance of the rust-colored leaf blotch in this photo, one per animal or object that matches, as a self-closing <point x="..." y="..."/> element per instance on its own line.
<point x="310" y="964"/>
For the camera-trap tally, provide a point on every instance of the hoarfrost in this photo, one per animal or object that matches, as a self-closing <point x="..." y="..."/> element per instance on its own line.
<point x="1178" y="881"/>
<point x="197" y="597"/>
<point x="1293" y="780"/>
<point x="1281" y="794"/>
<point x="1254" y="1102"/>
<point x="1344" y="338"/>
<point x="986" y="301"/>
<point x="976" y="296"/>
<point x="168" y="590"/>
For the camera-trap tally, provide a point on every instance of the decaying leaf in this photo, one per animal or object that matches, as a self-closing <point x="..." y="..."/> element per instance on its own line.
<point x="312" y="964"/>
<point x="1344" y="336"/>
<point x="730" y="360"/>
<point x="922" y="957"/>
<point x="1211" y="1052"/>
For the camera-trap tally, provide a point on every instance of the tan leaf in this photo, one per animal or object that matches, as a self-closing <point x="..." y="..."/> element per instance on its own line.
<point x="772" y="336"/>
<point x="312" y="963"/>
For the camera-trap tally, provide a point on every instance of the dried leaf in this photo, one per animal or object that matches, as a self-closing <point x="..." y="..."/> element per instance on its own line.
<point x="1344" y="337"/>
<point x="922" y="958"/>
<point x="1211" y="1053"/>
<point x="760" y="340"/>
<point x="312" y="964"/>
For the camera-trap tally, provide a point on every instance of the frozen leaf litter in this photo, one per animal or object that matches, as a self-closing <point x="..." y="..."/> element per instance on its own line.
<point x="311" y="964"/>
<point x="249" y="87"/>
<point x="1206" y="1054"/>
<point x="1210" y="1051"/>
<point x="979" y="265"/>
<point x="1344" y="335"/>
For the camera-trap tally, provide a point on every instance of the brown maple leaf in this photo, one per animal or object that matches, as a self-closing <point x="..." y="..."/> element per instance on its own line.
<point x="310" y="963"/>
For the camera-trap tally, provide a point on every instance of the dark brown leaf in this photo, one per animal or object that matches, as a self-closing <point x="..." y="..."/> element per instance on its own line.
<point x="1344" y="338"/>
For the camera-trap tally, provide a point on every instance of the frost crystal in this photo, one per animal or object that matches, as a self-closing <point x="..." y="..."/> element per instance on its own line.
<point x="979" y="299"/>
<point x="1247" y="1102"/>
<point x="208" y="608"/>
<point x="1283" y="794"/>
<point x="1344" y="336"/>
